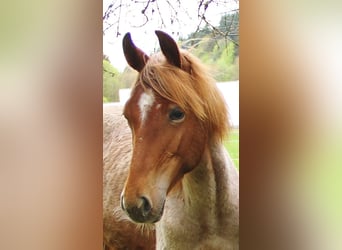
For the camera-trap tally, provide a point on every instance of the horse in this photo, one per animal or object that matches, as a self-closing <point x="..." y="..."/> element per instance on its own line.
<point x="178" y="180"/>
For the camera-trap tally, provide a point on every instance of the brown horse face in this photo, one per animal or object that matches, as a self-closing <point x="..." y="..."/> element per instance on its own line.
<point x="167" y="143"/>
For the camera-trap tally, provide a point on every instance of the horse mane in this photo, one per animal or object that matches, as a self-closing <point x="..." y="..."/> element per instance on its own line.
<point x="191" y="88"/>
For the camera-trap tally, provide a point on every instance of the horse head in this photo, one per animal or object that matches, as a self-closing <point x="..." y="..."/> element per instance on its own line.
<point x="166" y="114"/>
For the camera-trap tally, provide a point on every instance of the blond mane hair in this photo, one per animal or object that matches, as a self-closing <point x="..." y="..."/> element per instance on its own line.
<point x="191" y="88"/>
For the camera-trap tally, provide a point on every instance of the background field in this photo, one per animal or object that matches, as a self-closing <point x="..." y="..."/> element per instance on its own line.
<point x="232" y="146"/>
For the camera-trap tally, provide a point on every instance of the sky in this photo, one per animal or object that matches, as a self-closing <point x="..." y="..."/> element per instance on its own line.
<point x="144" y="36"/>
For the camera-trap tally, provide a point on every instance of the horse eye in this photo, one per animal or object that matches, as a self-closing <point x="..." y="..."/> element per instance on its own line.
<point x="176" y="115"/>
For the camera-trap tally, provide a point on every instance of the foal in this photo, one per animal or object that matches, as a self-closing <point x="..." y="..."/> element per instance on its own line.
<point x="180" y="176"/>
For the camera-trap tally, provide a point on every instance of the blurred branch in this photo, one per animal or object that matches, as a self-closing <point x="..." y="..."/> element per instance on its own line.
<point x="143" y="11"/>
<point x="219" y="32"/>
<point x="109" y="72"/>
<point x="160" y="15"/>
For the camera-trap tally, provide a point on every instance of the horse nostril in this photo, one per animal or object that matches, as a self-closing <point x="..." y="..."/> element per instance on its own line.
<point x="145" y="206"/>
<point x="139" y="210"/>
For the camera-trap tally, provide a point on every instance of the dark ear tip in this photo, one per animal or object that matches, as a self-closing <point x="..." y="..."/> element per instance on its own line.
<point x="127" y="37"/>
<point x="160" y="33"/>
<point x="135" y="57"/>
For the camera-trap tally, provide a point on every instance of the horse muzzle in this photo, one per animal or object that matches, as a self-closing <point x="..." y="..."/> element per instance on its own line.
<point x="141" y="210"/>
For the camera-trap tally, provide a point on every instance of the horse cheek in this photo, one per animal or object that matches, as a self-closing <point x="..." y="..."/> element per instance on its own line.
<point x="193" y="147"/>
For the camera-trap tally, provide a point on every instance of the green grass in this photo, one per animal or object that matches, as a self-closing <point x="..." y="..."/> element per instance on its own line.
<point x="232" y="146"/>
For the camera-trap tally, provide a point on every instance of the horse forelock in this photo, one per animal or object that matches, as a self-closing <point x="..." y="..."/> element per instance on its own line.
<point x="191" y="88"/>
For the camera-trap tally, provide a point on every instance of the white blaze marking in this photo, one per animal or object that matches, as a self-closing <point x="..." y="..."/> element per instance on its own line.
<point x="145" y="103"/>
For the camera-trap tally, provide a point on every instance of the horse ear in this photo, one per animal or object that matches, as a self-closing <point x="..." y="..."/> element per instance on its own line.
<point x="135" y="57"/>
<point x="169" y="48"/>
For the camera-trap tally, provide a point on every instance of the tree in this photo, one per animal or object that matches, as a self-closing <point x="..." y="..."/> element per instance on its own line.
<point x="168" y="13"/>
<point x="128" y="77"/>
<point x="216" y="45"/>
<point x="229" y="24"/>
<point x="215" y="50"/>
<point x="228" y="64"/>
<point x="111" y="83"/>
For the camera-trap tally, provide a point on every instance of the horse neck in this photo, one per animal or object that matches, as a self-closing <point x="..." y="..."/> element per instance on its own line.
<point x="211" y="189"/>
<point x="203" y="206"/>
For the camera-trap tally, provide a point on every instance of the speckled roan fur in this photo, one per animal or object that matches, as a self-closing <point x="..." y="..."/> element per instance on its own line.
<point x="206" y="220"/>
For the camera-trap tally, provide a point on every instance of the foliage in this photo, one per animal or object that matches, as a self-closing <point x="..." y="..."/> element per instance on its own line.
<point x="217" y="50"/>
<point x="128" y="77"/>
<point x="232" y="146"/>
<point x="111" y="83"/>
<point x="229" y="24"/>
<point x="113" y="80"/>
